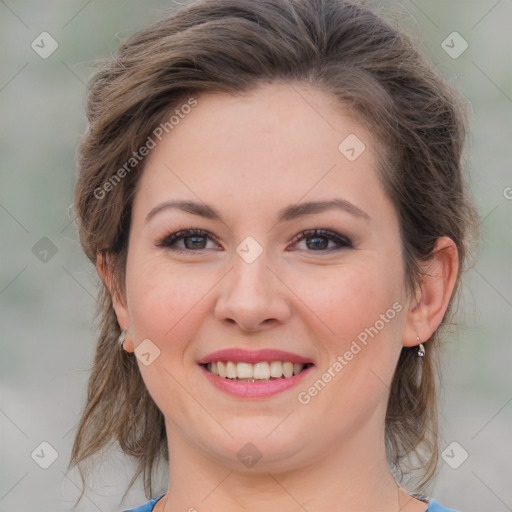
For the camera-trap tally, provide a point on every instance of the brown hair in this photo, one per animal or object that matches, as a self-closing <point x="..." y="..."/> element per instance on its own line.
<point x="233" y="46"/>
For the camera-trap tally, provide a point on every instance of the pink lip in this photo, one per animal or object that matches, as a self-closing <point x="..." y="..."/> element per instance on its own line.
<point x="253" y="356"/>
<point x="254" y="389"/>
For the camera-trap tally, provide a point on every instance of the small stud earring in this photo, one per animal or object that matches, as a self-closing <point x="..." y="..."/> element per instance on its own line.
<point x="421" y="348"/>
<point x="121" y="337"/>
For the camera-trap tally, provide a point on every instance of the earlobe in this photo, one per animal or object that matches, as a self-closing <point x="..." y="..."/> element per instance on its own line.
<point x="118" y="303"/>
<point x="434" y="293"/>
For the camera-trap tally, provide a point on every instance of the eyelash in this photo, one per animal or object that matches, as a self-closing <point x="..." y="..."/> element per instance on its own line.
<point x="168" y="241"/>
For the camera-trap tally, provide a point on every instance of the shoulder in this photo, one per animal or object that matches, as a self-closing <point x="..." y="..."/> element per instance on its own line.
<point x="434" y="506"/>
<point x="147" y="507"/>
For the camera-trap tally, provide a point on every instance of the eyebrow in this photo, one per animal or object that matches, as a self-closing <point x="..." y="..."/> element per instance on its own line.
<point x="285" y="214"/>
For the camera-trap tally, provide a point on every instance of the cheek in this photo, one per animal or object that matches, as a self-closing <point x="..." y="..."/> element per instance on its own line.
<point x="359" y="311"/>
<point x="163" y="299"/>
<point x="350" y="298"/>
<point x="363" y="306"/>
<point x="167" y="304"/>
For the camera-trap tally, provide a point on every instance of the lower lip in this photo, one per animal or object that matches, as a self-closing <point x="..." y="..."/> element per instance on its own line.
<point x="255" y="389"/>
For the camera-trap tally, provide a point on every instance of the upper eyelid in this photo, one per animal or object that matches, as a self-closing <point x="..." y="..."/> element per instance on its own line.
<point x="180" y="234"/>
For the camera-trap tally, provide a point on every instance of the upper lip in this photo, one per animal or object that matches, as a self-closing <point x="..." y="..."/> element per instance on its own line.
<point x="253" y="356"/>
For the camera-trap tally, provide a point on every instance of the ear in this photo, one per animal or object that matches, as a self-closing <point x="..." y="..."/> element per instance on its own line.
<point x="433" y="294"/>
<point x="118" y="302"/>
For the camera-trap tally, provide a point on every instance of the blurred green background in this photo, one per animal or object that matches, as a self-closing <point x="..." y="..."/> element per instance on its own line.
<point x="47" y="287"/>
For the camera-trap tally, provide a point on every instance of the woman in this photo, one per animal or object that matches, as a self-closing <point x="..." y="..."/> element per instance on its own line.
<point x="273" y="197"/>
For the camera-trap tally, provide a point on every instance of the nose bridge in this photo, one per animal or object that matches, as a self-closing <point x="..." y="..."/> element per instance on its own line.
<point x="250" y="278"/>
<point x="252" y="294"/>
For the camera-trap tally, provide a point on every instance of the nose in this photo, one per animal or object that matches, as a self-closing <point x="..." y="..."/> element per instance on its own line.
<point x="253" y="297"/>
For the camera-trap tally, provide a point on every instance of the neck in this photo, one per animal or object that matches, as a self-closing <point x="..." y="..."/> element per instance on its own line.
<point x="353" y="477"/>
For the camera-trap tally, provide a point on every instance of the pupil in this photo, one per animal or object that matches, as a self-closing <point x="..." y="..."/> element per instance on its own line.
<point x="322" y="245"/>
<point x="195" y="244"/>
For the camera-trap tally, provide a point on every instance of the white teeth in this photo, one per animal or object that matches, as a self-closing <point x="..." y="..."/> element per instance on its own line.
<point x="231" y="370"/>
<point x="244" y="370"/>
<point x="276" y="369"/>
<point x="261" y="371"/>
<point x="258" y="371"/>
<point x="288" y="369"/>
<point x="297" y="368"/>
<point x="221" y="367"/>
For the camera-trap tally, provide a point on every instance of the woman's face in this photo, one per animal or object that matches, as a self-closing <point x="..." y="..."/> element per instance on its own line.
<point x="249" y="280"/>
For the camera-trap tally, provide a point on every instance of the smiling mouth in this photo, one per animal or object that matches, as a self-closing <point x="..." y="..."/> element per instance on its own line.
<point x="260" y="372"/>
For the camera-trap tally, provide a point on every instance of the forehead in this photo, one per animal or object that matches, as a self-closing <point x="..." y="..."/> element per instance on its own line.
<point x="279" y="142"/>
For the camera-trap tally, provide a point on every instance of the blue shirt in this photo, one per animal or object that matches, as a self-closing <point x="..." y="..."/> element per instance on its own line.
<point x="433" y="506"/>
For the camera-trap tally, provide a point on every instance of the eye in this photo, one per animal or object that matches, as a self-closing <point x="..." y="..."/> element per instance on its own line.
<point x="320" y="239"/>
<point x="193" y="240"/>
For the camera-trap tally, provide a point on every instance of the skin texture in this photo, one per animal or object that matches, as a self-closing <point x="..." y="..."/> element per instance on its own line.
<point x="248" y="157"/>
